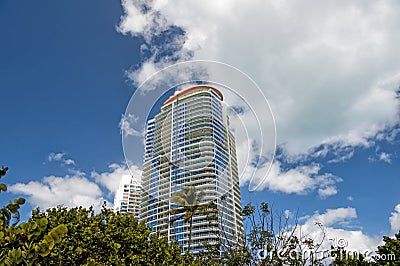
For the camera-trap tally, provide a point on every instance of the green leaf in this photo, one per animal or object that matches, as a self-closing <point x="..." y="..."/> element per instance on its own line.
<point x="3" y="187"/>
<point x="79" y="250"/>
<point x="48" y="239"/>
<point x="19" y="201"/>
<point x="43" y="222"/>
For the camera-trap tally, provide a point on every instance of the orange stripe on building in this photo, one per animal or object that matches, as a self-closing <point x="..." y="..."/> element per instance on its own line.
<point x="173" y="98"/>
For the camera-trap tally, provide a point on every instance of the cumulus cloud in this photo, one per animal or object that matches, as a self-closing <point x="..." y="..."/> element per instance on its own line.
<point x="395" y="220"/>
<point x="300" y="180"/>
<point x="69" y="191"/>
<point x="139" y="21"/>
<point x="111" y="179"/>
<point x="350" y="198"/>
<point x="55" y="156"/>
<point x="380" y="156"/>
<point x="330" y="70"/>
<point x="385" y="157"/>
<point x="392" y="134"/>
<point x="126" y="125"/>
<point x="75" y="189"/>
<point x="332" y="216"/>
<point x="329" y="229"/>
<point x="60" y="157"/>
<point x="69" y="162"/>
<point x="327" y="191"/>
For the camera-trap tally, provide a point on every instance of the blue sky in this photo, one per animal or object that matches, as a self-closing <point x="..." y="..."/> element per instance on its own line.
<point x="63" y="85"/>
<point x="330" y="73"/>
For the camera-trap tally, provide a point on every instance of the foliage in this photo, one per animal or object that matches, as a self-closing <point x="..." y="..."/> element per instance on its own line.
<point x="79" y="236"/>
<point x="234" y="252"/>
<point x="271" y="239"/>
<point x="107" y="238"/>
<point x="9" y="214"/>
<point x="390" y="248"/>
<point x="189" y="201"/>
<point x="25" y="243"/>
<point x="29" y="242"/>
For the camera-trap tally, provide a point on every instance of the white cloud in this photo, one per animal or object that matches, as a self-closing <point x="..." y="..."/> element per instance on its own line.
<point x="111" y="179"/>
<point x="288" y="214"/>
<point x="395" y="220"/>
<point x="381" y="156"/>
<point x="326" y="229"/>
<point x="126" y="125"/>
<point x="393" y="133"/>
<point x="139" y="22"/>
<point x="76" y="172"/>
<point x="342" y="155"/>
<point x="69" y="191"/>
<point x="327" y="191"/>
<point x="75" y="189"/>
<point x="350" y="198"/>
<point x="385" y="157"/>
<point x="329" y="70"/>
<point x="69" y="162"/>
<point x="55" y="156"/>
<point x="332" y="216"/>
<point x="300" y="180"/>
<point x="60" y="157"/>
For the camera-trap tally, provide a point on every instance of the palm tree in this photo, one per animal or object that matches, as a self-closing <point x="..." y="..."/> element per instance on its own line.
<point x="189" y="201"/>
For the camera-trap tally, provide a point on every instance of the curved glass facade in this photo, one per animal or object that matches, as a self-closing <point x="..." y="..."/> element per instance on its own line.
<point x="189" y="144"/>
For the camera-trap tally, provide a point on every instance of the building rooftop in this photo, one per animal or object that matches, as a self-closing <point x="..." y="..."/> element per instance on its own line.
<point x="181" y="93"/>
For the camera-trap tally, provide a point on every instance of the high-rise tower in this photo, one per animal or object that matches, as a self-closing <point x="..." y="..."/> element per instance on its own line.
<point x="189" y="144"/>
<point x="127" y="197"/>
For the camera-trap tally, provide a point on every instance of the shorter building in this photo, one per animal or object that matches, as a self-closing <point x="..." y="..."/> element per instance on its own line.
<point x="127" y="197"/>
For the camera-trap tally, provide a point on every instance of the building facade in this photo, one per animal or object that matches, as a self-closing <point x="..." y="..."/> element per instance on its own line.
<point x="128" y="196"/>
<point x="189" y="144"/>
